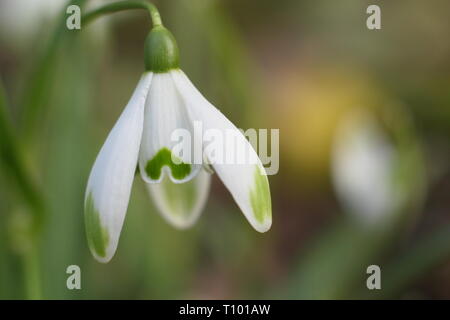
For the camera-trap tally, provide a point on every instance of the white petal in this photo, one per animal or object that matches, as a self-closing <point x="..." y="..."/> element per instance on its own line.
<point x="362" y="168"/>
<point x="109" y="185"/>
<point x="165" y="112"/>
<point x="181" y="204"/>
<point x="247" y="182"/>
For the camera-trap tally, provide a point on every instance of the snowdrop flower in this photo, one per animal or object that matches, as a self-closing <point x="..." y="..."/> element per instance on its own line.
<point x="362" y="168"/>
<point x="165" y="100"/>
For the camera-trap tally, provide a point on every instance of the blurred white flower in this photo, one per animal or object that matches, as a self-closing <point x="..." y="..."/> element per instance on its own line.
<point x="362" y="168"/>
<point x="20" y="20"/>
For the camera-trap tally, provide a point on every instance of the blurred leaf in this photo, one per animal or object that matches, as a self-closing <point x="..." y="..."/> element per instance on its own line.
<point x="214" y="52"/>
<point x="38" y="86"/>
<point x="13" y="164"/>
<point x="65" y="166"/>
<point x="170" y="254"/>
<point x="412" y="264"/>
<point x="336" y="263"/>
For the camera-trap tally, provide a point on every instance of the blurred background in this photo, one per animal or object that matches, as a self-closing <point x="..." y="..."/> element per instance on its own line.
<point x="364" y="179"/>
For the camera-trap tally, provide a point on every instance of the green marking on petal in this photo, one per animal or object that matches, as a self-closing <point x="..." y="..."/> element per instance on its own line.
<point x="164" y="158"/>
<point x="260" y="197"/>
<point x="97" y="236"/>
<point x="180" y="197"/>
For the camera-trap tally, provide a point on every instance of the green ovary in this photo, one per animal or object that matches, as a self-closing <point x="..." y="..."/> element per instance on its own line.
<point x="164" y="158"/>
<point x="97" y="236"/>
<point x="260" y="197"/>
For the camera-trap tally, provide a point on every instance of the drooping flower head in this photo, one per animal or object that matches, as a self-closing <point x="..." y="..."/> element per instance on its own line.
<point x="163" y="102"/>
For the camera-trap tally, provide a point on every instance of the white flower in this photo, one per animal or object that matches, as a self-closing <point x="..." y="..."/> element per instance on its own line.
<point x="19" y="20"/>
<point x="22" y="20"/>
<point x="362" y="168"/>
<point x="165" y="100"/>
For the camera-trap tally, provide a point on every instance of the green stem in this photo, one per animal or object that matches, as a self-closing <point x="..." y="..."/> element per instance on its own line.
<point x="121" y="6"/>
<point x="32" y="274"/>
<point x="14" y="165"/>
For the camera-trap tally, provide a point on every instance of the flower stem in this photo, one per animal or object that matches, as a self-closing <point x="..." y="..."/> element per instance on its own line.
<point x="32" y="275"/>
<point x="122" y="6"/>
<point x="12" y="163"/>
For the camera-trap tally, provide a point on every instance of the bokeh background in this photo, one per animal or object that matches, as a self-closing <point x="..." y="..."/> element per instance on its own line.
<point x="299" y="66"/>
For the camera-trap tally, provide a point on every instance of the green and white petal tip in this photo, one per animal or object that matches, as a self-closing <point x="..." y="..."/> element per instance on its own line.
<point x="247" y="182"/>
<point x="261" y="201"/>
